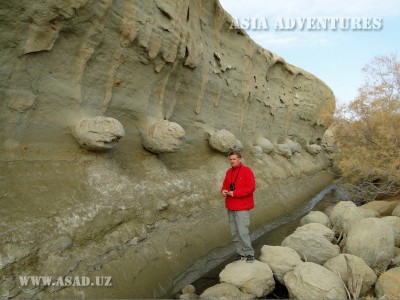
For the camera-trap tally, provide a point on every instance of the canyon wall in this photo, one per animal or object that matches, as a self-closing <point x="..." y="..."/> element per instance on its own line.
<point x="115" y="120"/>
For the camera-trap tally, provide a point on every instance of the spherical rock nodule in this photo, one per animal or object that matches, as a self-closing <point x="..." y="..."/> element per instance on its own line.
<point x="265" y="144"/>
<point x="163" y="137"/>
<point x="98" y="133"/>
<point x="284" y="150"/>
<point x="313" y="149"/>
<point x="223" y="141"/>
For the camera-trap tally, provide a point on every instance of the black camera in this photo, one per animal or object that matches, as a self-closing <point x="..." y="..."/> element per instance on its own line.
<point x="232" y="187"/>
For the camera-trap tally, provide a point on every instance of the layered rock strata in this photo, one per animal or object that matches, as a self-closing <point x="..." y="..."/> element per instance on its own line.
<point x="139" y="200"/>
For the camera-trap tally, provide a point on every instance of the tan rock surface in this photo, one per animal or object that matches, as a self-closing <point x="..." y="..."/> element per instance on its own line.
<point x="151" y="221"/>
<point x="388" y="284"/>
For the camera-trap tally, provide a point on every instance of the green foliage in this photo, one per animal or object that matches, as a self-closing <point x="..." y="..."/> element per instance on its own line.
<point x="368" y="131"/>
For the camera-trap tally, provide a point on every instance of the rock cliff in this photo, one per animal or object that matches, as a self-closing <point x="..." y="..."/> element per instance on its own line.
<point x="114" y="120"/>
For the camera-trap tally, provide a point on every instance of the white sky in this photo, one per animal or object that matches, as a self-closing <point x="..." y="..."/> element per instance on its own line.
<point x="334" y="56"/>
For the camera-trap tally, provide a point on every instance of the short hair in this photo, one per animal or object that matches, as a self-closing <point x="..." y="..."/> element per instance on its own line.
<point x="237" y="153"/>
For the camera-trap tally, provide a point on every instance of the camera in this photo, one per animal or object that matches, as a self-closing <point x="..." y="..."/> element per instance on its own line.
<point x="232" y="187"/>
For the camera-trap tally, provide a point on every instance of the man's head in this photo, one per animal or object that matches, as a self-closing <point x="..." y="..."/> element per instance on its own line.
<point x="235" y="158"/>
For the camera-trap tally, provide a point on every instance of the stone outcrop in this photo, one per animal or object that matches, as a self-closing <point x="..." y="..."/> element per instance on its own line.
<point x="255" y="278"/>
<point x="265" y="145"/>
<point x="148" y="211"/>
<point x="384" y="208"/>
<point x="396" y="211"/>
<point x="373" y="241"/>
<point x="313" y="149"/>
<point x="188" y="293"/>
<point x="311" y="281"/>
<point x="345" y="213"/>
<point x="311" y="245"/>
<point x="340" y="276"/>
<point x="98" y="133"/>
<point x="225" y="291"/>
<point x="316" y="217"/>
<point x="394" y="223"/>
<point x="317" y="228"/>
<point x="163" y="137"/>
<point x="223" y="141"/>
<point x="280" y="259"/>
<point x="343" y="262"/>
<point x="388" y="284"/>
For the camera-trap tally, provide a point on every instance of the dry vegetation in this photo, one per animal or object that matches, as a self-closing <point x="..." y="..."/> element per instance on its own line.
<point x="368" y="132"/>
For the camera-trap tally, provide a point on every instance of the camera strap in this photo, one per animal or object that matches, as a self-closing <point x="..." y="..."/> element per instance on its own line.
<point x="236" y="174"/>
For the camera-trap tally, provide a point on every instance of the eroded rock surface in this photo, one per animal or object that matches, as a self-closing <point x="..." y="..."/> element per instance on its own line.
<point x="132" y="210"/>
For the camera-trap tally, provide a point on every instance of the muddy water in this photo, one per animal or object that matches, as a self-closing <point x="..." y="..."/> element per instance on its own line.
<point x="274" y="234"/>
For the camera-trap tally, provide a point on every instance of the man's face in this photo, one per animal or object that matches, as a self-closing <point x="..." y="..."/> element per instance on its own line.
<point x="234" y="160"/>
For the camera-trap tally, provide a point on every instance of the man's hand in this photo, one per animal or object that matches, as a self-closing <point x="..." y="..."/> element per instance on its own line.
<point x="227" y="193"/>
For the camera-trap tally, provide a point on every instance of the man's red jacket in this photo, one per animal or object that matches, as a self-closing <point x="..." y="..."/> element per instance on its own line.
<point x="243" y="179"/>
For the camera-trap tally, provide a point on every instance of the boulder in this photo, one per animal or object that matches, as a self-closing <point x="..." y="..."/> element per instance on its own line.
<point x="98" y="133"/>
<point x="316" y="217"/>
<point x="163" y="137"/>
<point x="265" y="144"/>
<point x="189" y="289"/>
<point x="312" y="246"/>
<point x="394" y="223"/>
<point x="280" y="259"/>
<point x="339" y="264"/>
<point x="395" y="261"/>
<point x="225" y="291"/>
<point x="238" y="146"/>
<point x="313" y="149"/>
<point x="223" y="141"/>
<point x="311" y="281"/>
<point x="294" y="146"/>
<point x="337" y="213"/>
<point x="188" y="296"/>
<point x="396" y="211"/>
<point x="384" y="208"/>
<point x="388" y="284"/>
<point x="317" y="228"/>
<point x="345" y="213"/>
<point x="256" y="151"/>
<point x="255" y="278"/>
<point x="284" y="150"/>
<point x="373" y="241"/>
<point x="328" y="140"/>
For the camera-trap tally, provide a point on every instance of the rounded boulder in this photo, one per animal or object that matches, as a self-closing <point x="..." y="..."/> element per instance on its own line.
<point x="98" y="133"/>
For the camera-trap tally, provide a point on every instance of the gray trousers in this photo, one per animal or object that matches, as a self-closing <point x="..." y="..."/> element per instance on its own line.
<point x="239" y="221"/>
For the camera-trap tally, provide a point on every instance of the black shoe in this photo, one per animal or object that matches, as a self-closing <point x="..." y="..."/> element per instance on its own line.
<point x="250" y="258"/>
<point x="240" y="257"/>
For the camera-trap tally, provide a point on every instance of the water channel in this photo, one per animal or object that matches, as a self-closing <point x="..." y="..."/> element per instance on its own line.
<point x="273" y="234"/>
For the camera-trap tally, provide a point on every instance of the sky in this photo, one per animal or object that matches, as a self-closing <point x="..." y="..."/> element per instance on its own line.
<point x="332" y="39"/>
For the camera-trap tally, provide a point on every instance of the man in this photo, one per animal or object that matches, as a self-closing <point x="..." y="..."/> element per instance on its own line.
<point x="238" y="188"/>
